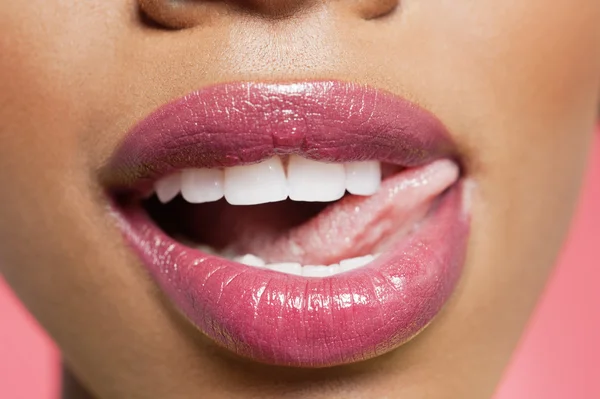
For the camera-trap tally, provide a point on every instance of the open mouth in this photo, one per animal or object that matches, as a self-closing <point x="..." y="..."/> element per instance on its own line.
<point x="295" y="216"/>
<point x="304" y="224"/>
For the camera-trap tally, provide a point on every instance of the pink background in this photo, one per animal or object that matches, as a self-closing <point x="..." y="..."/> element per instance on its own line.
<point x="558" y="357"/>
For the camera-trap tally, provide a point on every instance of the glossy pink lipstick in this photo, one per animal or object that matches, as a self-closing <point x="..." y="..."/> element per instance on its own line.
<point x="416" y="219"/>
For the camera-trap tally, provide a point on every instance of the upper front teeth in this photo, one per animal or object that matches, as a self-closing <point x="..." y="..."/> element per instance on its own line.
<point x="168" y="188"/>
<point x="268" y="181"/>
<point x="201" y="185"/>
<point x="256" y="184"/>
<point x="360" y="177"/>
<point x="315" y="181"/>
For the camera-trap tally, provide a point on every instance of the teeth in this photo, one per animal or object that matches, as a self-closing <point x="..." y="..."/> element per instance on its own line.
<point x="289" y="268"/>
<point x="256" y="184"/>
<point x="297" y="269"/>
<point x="363" y="178"/>
<point x="315" y="181"/>
<point x="316" y="271"/>
<point x="334" y="269"/>
<point x="206" y="249"/>
<point x="250" y="260"/>
<point x="202" y="185"/>
<point x="266" y="181"/>
<point x="355" y="263"/>
<point x="168" y="187"/>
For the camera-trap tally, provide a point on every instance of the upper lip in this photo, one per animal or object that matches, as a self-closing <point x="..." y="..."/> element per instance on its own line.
<point x="243" y="123"/>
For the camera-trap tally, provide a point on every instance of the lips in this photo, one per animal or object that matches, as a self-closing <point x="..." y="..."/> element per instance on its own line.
<point x="298" y="305"/>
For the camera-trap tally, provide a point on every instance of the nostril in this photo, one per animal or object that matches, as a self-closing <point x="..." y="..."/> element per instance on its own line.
<point x="181" y="14"/>
<point x="176" y="14"/>
<point x="373" y="9"/>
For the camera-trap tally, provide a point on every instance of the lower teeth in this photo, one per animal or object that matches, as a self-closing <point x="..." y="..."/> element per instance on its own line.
<point x="298" y="269"/>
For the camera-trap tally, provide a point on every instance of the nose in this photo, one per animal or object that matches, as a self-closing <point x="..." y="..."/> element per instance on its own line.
<point x="179" y="14"/>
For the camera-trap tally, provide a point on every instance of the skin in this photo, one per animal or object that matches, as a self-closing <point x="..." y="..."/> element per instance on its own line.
<point x="517" y="82"/>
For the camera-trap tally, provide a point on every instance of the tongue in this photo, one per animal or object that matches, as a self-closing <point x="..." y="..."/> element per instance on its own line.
<point x="308" y="234"/>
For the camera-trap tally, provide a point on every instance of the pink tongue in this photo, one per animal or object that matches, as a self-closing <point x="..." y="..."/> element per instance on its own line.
<point x="356" y="225"/>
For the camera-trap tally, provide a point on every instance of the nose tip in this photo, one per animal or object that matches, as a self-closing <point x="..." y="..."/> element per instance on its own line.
<point x="178" y="14"/>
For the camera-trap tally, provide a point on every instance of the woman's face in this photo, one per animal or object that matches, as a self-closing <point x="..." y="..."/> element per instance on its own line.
<point x="516" y="84"/>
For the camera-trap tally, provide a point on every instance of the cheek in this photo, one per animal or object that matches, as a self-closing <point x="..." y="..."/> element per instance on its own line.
<point x="56" y="57"/>
<point x="525" y="83"/>
<point x="521" y="58"/>
<point x="519" y="82"/>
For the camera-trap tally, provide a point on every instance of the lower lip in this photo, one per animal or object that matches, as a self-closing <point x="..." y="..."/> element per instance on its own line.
<point x="291" y="320"/>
